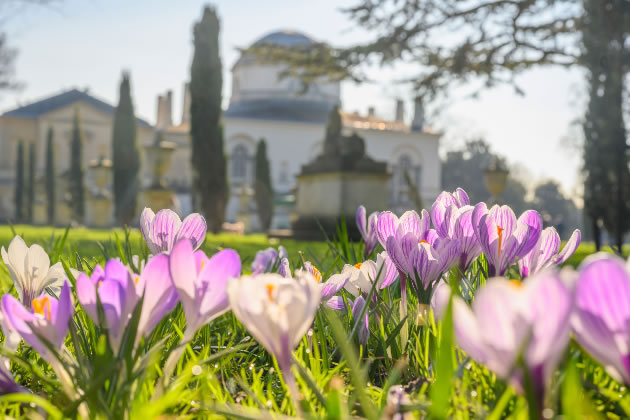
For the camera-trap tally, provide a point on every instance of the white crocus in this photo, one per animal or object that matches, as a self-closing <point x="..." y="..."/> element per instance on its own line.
<point x="276" y="310"/>
<point x="30" y="270"/>
<point x="362" y="275"/>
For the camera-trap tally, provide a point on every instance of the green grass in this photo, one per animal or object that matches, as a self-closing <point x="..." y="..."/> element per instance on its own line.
<point x="88" y="242"/>
<point x="224" y="373"/>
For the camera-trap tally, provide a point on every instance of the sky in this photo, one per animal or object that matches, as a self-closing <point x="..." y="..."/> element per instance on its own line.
<point x="88" y="43"/>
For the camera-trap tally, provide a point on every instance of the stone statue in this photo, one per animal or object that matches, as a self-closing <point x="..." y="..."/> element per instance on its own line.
<point x="342" y="153"/>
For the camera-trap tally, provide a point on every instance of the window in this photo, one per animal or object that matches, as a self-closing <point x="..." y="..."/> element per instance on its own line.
<point x="239" y="162"/>
<point x="404" y="165"/>
<point x="401" y="189"/>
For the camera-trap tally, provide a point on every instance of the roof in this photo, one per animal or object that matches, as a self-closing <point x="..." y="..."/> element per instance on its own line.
<point x="285" y="38"/>
<point x="280" y="110"/>
<point x="44" y="106"/>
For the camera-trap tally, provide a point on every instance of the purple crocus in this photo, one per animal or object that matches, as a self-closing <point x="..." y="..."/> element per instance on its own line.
<point x="508" y="317"/>
<point x="267" y="259"/>
<point x="47" y="319"/>
<point x="444" y="211"/>
<point x="117" y="293"/>
<point x="201" y="283"/>
<point x="502" y="237"/>
<point x="388" y="225"/>
<point x="163" y="230"/>
<point x="363" y="332"/>
<point x="7" y="382"/>
<point x="367" y="228"/>
<point x="545" y="252"/>
<point x="601" y="322"/>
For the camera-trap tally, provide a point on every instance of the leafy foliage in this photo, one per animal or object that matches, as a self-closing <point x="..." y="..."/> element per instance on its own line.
<point x="50" y="181"/>
<point x="18" y="194"/>
<point x="76" y="174"/>
<point x="263" y="188"/>
<point x="206" y="129"/>
<point x="126" y="157"/>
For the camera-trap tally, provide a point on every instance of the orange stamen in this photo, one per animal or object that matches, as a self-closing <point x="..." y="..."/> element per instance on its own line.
<point x="270" y="288"/>
<point x="42" y="307"/>
<point x="317" y="274"/>
<point x="358" y="265"/>
<point x="136" y="279"/>
<point x="500" y="233"/>
<point x="516" y="283"/>
<point x="422" y="241"/>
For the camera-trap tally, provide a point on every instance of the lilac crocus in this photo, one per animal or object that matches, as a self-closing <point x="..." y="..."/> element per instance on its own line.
<point x="201" y="283"/>
<point x="367" y="229"/>
<point x="47" y="319"/>
<point x="502" y="237"/>
<point x="117" y="293"/>
<point x="7" y="382"/>
<point x="545" y="253"/>
<point x="163" y="230"/>
<point x="508" y="317"/>
<point x="363" y="332"/>
<point x="444" y="211"/>
<point x="267" y="259"/>
<point x="601" y="322"/>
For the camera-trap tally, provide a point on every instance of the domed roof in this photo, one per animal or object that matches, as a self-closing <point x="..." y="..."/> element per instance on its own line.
<point x="286" y="38"/>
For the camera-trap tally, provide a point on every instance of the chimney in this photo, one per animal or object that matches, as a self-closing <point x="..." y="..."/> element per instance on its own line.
<point x="418" y="115"/>
<point x="186" y="104"/>
<point x="169" y="108"/>
<point x="400" y="110"/>
<point x="371" y="111"/>
<point x="159" y="118"/>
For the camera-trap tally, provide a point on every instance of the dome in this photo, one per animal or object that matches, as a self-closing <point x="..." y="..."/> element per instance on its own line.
<point x="286" y="38"/>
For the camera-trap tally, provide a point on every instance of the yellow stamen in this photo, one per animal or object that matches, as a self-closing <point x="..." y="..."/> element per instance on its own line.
<point x="270" y="288"/>
<point x="136" y="279"/>
<point x="422" y="241"/>
<point x="358" y="265"/>
<point x="516" y="283"/>
<point x="500" y="233"/>
<point x="42" y="307"/>
<point x="317" y="274"/>
<point x="202" y="264"/>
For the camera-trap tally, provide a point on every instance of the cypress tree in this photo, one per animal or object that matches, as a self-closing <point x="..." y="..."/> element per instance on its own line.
<point x="75" y="183"/>
<point x="263" y="188"/>
<point x="125" y="156"/>
<point x="607" y="176"/>
<point x="30" y="184"/>
<point x="50" y="177"/>
<point x="19" y="183"/>
<point x="206" y="130"/>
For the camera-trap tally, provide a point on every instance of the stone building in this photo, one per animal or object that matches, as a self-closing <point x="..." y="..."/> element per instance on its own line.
<point x="292" y="121"/>
<point x="30" y="124"/>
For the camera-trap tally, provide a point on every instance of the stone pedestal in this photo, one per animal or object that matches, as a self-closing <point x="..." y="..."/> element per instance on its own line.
<point x="63" y="213"/>
<point x="324" y="197"/>
<point x="99" y="212"/>
<point x="40" y="216"/>
<point x="157" y="199"/>
<point x="99" y="204"/>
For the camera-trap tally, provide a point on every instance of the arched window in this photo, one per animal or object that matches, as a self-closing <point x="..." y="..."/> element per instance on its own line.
<point x="239" y="162"/>
<point x="404" y="165"/>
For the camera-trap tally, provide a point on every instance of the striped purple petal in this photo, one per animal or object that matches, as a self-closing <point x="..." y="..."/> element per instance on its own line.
<point x="164" y="230"/>
<point x="569" y="248"/>
<point x="194" y="228"/>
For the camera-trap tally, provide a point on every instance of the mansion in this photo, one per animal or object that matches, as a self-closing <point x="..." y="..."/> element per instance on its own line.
<point x="262" y="106"/>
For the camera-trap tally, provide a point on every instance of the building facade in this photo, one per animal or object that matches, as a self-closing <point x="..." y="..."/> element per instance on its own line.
<point x="292" y="121"/>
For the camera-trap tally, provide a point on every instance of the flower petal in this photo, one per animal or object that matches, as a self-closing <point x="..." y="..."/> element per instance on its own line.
<point x="193" y="228"/>
<point x="569" y="248"/>
<point x="164" y="229"/>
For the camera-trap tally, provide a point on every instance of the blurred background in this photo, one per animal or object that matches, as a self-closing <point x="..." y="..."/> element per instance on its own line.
<point x="279" y="115"/>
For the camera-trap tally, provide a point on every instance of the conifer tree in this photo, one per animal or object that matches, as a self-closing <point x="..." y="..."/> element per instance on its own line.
<point x="19" y="184"/>
<point x="50" y="177"/>
<point x="30" y="184"/>
<point x="75" y="182"/>
<point x="206" y="130"/>
<point x="125" y="155"/>
<point x="263" y="188"/>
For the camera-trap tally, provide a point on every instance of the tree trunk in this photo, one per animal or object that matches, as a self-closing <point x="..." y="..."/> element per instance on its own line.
<point x="596" y="234"/>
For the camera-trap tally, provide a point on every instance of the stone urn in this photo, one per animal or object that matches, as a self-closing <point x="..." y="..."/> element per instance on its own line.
<point x="99" y="211"/>
<point x="159" y="156"/>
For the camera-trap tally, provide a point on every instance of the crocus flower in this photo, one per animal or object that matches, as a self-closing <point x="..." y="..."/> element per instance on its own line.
<point x="266" y="260"/>
<point x="545" y="252"/>
<point x="444" y="211"/>
<point x="7" y="383"/>
<point x="367" y="229"/>
<point x="163" y="230"/>
<point x="30" y="270"/>
<point x="117" y="292"/>
<point x="276" y="310"/>
<point x="48" y="319"/>
<point x="390" y="226"/>
<point x="361" y="276"/>
<point x="503" y="238"/>
<point x="201" y="283"/>
<point x="508" y="317"/>
<point x="363" y="332"/>
<point x="465" y="233"/>
<point x="601" y="322"/>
